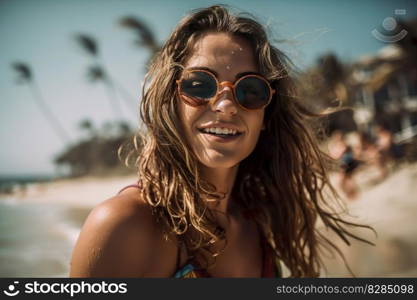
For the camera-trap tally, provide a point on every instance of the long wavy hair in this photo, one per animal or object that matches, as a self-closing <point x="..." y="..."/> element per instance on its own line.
<point x="283" y="184"/>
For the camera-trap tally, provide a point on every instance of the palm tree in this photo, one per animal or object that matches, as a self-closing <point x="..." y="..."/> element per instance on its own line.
<point x="145" y="36"/>
<point x="97" y="72"/>
<point x="335" y="87"/>
<point x="87" y="126"/>
<point x="334" y="74"/>
<point x="26" y="77"/>
<point x="332" y="69"/>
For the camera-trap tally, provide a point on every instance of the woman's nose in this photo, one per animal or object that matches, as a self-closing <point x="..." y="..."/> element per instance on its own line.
<point x="224" y="102"/>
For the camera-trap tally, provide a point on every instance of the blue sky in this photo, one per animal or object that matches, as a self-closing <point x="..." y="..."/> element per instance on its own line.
<point x="41" y="33"/>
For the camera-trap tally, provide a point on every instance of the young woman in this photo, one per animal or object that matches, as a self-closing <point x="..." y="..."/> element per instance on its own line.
<point x="231" y="178"/>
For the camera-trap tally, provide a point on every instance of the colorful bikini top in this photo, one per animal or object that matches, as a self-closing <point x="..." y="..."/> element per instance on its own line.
<point x="271" y="265"/>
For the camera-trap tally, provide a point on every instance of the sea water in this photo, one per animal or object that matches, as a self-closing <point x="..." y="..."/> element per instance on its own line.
<point x="36" y="239"/>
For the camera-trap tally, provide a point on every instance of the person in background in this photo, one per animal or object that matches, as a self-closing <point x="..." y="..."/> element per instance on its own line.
<point x="348" y="163"/>
<point x="389" y="152"/>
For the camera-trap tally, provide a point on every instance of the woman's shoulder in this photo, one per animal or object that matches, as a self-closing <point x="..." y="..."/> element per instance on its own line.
<point x="121" y="238"/>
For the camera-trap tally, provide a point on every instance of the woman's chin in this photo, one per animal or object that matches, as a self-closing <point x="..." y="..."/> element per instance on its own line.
<point x="220" y="162"/>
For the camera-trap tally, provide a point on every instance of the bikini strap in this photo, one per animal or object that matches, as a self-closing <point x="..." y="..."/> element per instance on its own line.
<point x="136" y="185"/>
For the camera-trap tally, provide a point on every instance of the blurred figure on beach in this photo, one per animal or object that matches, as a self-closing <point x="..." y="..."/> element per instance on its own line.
<point x="356" y="149"/>
<point x="346" y="155"/>
<point x="368" y="149"/>
<point x="389" y="152"/>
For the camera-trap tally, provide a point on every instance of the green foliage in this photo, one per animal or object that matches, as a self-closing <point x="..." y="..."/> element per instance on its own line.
<point x="97" y="153"/>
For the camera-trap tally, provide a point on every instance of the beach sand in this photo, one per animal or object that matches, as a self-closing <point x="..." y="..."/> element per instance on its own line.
<point x="81" y="192"/>
<point x="390" y="207"/>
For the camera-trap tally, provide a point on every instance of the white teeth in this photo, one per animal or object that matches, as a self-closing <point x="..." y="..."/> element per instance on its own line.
<point x="217" y="130"/>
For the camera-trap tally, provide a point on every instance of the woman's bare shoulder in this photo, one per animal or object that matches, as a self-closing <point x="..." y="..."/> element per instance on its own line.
<point x="121" y="238"/>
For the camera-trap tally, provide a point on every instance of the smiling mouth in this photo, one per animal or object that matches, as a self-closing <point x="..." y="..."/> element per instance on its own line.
<point x="220" y="132"/>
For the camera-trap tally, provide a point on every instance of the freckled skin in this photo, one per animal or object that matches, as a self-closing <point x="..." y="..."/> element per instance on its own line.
<point x="227" y="55"/>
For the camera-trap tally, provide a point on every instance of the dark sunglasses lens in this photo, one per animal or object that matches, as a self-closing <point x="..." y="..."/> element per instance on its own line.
<point x="252" y="92"/>
<point x="198" y="85"/>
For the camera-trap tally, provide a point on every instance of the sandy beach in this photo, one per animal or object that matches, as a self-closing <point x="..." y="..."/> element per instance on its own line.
<point x="81" y="192"/>
<point x="390" y="207"/>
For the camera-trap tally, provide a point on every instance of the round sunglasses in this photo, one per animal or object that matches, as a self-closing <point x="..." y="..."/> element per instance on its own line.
<point x="199" y="87"/>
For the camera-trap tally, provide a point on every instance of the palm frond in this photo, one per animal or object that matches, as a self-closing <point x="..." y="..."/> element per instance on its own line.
<point x="146" y="37"/>
<point x="86" y="124"/>
<point x="332" y="69"/>
<point x="88" y="43"/>
<point x="96" y="73"/>
<point x="23" y="70"/>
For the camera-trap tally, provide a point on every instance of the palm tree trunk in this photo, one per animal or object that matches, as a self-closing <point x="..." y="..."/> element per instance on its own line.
<point x="50" y="117"/>
<point x="130" y="100"/>
<point x="113" y="99"/>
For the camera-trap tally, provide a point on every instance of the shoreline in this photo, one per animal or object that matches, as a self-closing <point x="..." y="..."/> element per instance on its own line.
<point x="84" y="192"/>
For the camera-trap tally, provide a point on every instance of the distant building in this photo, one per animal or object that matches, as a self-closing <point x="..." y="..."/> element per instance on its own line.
<point x="384" y="90"/>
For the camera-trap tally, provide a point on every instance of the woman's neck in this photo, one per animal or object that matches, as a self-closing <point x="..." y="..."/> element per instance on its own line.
<point x="223" y="180"/>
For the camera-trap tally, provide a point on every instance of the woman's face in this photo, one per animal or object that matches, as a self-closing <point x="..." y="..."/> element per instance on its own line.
<point x="227" y="56"/>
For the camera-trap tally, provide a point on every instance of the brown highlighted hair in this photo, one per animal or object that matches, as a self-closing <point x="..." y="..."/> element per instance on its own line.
<point x="283" y="183"/>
